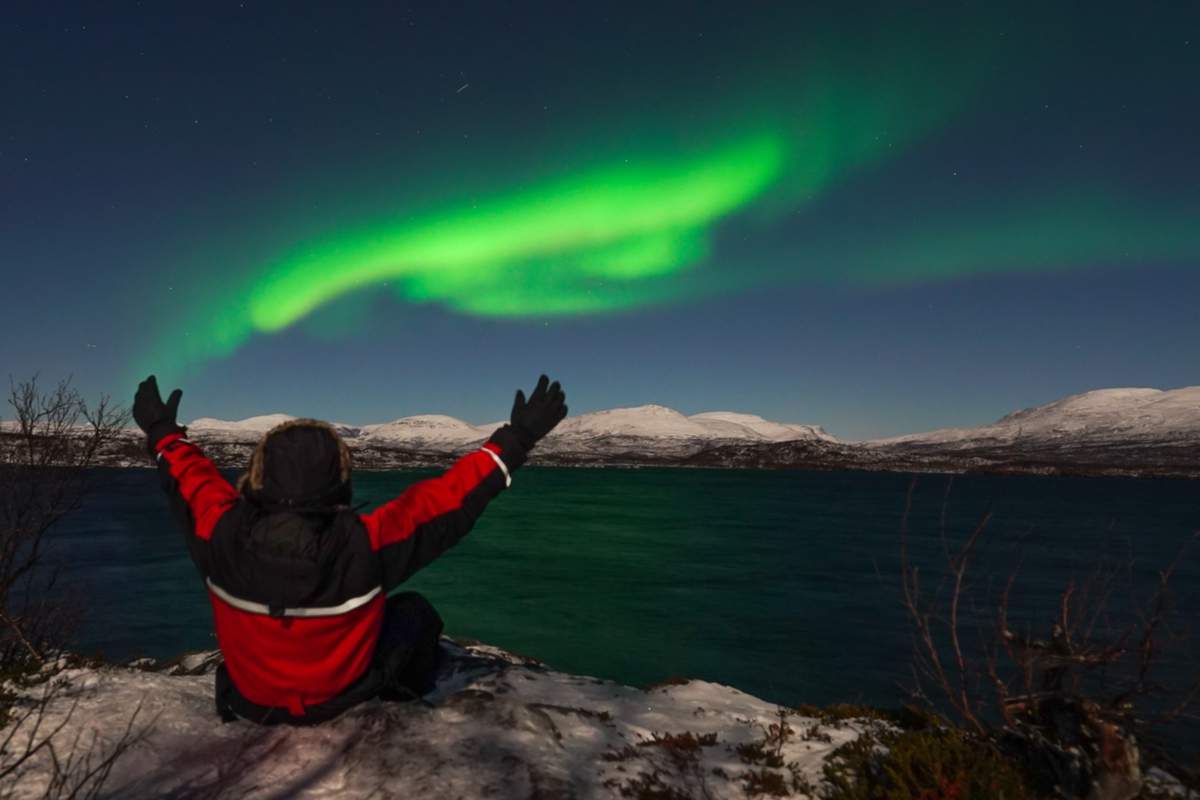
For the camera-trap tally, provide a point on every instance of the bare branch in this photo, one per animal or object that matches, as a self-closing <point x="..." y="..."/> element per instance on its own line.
<point x="46" y="455"/>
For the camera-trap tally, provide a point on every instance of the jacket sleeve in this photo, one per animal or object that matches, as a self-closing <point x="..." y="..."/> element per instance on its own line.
<point x="430" y="517"/>
<point x="197" y="493"/>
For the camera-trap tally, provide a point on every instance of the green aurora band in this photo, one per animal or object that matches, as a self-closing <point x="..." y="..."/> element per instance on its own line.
<point x="629" y="210"/>
<point x="538" y="251"/>
<point x="635" y="227"/>
<point x="628" y="236"/>
<point x="646" y="225"/>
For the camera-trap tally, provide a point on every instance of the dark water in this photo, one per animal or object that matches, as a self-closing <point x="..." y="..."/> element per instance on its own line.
<point x="784" y="584"/>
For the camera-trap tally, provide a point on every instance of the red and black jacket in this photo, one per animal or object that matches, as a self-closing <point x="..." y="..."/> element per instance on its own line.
<point x="298" y="597"/>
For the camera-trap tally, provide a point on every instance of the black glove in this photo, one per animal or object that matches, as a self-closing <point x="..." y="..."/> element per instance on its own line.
<point x="154" y="416"/>
<point x="534" y="418"/>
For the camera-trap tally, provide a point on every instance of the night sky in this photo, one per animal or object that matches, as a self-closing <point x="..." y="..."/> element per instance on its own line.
<point x="873" y="220"/>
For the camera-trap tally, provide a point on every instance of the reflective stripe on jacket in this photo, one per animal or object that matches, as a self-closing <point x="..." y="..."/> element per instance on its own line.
<point x="298" y="597"/>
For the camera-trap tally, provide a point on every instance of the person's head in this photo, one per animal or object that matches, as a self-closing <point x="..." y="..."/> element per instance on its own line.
<point x="302" y="464"/>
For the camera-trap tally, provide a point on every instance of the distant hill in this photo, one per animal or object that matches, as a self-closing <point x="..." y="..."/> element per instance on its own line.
<point x="1102" y="432"/>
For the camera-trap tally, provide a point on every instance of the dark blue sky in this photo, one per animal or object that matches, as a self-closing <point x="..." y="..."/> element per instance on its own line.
<point x="978" y="210"/>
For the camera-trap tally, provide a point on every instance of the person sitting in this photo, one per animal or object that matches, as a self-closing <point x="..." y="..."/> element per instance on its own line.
<point x="302" y="585"/>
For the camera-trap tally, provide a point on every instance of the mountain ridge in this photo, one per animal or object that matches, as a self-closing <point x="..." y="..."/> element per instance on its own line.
<point x="1119" y="431"/>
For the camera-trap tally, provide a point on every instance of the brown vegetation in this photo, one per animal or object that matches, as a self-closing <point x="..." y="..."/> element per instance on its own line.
<point x="1074" y="705"/>
<point x="47" y="452"/>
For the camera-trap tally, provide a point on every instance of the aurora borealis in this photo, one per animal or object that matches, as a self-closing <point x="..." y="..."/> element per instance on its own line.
<point x="614" y="235"/>
<point x="797" y="202"/>
<point x="622" y="223"/>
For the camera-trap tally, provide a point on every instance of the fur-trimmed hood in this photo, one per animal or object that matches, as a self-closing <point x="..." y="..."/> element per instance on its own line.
<point x="299" y="463"/>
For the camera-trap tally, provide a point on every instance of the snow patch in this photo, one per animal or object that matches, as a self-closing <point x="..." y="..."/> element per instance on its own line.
<point x="497" y="725"/>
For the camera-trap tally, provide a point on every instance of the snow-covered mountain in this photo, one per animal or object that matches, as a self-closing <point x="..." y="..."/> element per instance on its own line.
<point x="250" y="429"/>
<point x="1101" y="415"/>
<point x="645" y="431"/>
<point x="435" y="432"/>
<point x="773" y="431"/>
<point x="1145" y="432"/>
<point x="660" y="422"/>
<point x="653" y="430"/>
<point x="1104" y="432"/>
<point x="236" y="429"/>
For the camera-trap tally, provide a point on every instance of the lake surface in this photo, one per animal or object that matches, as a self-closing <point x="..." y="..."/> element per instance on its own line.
<point x="784" y="584"/>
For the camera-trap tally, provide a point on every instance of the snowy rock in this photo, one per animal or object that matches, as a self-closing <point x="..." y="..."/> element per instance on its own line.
<point x="497" y="725"/>
<point x="1160" y="784"/>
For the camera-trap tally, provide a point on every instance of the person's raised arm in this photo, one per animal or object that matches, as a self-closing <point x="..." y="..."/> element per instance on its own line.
<point x="432" y="516"/>
<point x="197" y="492"/>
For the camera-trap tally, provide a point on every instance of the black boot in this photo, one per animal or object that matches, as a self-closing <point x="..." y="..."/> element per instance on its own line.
<point x="407" y="654"/>
<point x="223" y="693"/>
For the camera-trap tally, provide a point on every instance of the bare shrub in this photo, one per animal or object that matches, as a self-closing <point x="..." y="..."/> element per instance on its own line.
<point x="47" y="452"/>
<point x="1074" y="698"/>
<point x="33" y="751"/>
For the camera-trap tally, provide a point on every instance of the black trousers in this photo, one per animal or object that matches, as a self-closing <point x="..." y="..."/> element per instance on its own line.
<point x="404" y="668"/>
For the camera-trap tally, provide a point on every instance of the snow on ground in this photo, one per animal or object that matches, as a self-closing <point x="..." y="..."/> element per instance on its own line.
<point x="497" y="725"/>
